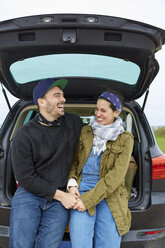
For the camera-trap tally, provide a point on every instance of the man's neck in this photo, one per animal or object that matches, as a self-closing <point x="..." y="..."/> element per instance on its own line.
<point x="48" y="117"/>
<point x="43" y="121"/>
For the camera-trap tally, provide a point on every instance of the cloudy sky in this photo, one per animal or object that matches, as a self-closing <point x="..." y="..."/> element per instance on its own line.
<point x="149" y="11"/>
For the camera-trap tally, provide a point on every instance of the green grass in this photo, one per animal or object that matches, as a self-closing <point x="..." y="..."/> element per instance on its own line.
<point x="161" y="142"/>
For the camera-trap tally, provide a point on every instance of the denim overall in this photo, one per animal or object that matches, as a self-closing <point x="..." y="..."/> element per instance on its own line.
<point x="101" y="226"/>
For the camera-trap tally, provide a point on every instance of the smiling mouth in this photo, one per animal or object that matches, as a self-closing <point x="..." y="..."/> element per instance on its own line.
<point x="60" y="107"/>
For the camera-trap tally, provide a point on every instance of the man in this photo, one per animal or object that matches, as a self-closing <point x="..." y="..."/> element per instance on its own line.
<point x="42" y="154"/>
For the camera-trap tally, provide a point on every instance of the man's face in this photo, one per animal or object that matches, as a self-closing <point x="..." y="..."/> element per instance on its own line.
<point x="53" y="103"/>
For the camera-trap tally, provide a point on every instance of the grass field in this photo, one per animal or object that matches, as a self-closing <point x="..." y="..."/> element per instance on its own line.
<point x="161" y="142"/>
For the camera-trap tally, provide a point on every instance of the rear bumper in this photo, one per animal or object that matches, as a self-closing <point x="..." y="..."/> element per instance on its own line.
<point x="4" y="236"/>
<point x="145" y="244"/>
<point x="140" y="235"/>
<point x="151" y="220"/>
<point x="133" y="239"/>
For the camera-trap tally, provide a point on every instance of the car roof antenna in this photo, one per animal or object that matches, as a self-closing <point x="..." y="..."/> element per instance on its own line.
<point x="145" y="100"/>
<point x="6" y="98"/>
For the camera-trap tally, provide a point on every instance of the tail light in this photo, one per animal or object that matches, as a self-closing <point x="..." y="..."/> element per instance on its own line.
<point x="154" y="232"/>
<point x="158" y="167"/>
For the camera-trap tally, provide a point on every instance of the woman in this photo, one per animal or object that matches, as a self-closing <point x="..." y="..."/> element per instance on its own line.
<point x="101" y="214"/>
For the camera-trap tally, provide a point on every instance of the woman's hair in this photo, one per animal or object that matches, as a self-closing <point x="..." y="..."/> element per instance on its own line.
<point x="112" y="106"/>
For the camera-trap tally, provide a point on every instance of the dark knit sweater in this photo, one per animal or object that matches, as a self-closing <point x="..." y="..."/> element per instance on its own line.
<point x="42" y="155"/>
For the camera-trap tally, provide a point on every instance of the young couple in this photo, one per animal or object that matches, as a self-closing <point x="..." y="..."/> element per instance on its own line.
<point x="55" y="146"/>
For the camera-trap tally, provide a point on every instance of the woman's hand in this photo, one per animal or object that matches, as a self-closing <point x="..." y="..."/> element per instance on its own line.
<point x="74" y="190"/>
<point x="80" y="206"/>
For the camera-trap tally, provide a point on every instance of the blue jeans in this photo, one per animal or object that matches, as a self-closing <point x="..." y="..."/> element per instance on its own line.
<point x="35" y="222"/>
<point x="98" y="231"/>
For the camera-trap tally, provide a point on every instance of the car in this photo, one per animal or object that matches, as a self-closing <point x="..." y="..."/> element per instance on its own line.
<point x="95" y="53"/>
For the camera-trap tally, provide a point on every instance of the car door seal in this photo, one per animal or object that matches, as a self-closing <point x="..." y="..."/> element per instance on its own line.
<point x="6" y="98"/>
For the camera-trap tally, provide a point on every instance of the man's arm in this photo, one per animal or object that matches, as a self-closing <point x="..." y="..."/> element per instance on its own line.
<point x="24" y="170"/>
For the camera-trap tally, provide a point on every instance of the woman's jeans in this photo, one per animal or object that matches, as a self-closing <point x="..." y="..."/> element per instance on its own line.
<point x="35" y="222"/>
<point x="98" y="231"/>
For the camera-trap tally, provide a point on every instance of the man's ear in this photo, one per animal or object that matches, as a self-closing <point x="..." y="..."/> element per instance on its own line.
<point x="40" y="101"/>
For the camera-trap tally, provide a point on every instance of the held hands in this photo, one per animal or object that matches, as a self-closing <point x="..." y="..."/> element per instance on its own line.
<point x="74" y="190"/>
<point x="71" y="199"/>
<point x="68" y="200"/>
<point x="79" y="205"/>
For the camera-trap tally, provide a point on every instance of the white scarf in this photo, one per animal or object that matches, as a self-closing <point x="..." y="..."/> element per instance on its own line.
<point x="102" y="133"/>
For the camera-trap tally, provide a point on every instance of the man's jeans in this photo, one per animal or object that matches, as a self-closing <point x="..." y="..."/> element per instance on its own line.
<point x="35" y="222"/>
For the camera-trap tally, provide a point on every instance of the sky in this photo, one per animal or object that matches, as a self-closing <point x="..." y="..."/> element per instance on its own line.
<point x="148" y="11"/>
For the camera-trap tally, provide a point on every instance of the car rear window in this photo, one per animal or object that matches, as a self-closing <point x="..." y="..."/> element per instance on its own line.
<point x="75" y="65"/>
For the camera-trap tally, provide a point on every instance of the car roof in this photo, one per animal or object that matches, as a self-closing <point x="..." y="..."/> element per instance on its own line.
<point x="94" y="52"/>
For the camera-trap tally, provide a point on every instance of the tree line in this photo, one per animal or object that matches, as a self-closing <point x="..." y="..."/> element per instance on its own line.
<point x="159" y="131"/>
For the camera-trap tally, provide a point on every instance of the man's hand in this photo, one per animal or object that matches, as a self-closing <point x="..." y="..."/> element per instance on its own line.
<point x="68" y="200"/>
<point x="74" y="190"/>
<point x="80" y="206"/>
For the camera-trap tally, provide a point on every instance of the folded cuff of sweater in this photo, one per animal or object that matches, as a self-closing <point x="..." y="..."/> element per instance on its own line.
<point x="72" y="183"/>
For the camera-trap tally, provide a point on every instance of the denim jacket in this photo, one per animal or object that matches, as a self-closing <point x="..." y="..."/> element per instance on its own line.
<point x="113" y="168"/>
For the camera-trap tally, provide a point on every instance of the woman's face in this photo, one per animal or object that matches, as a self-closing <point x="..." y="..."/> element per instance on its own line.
<point x="103" y="112"/>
